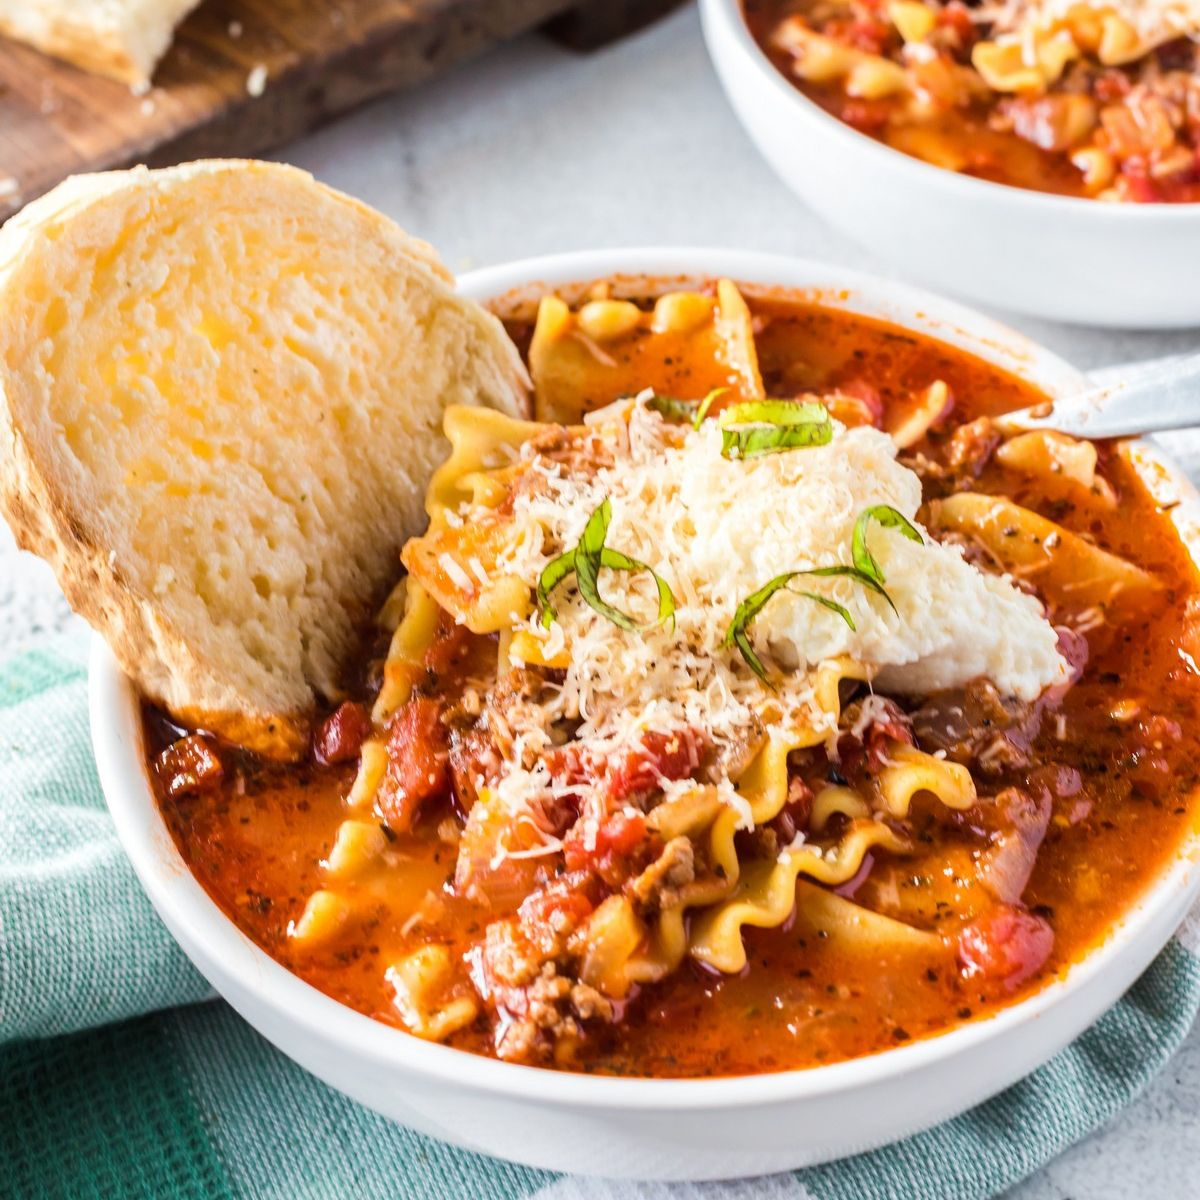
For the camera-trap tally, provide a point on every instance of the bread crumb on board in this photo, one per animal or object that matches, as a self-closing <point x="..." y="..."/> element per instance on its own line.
<point x="256" y="81"/>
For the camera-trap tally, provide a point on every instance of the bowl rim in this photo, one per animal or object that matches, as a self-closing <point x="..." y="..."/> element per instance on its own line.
<point x="724" y="21"/>
<point x="196" y="920"/>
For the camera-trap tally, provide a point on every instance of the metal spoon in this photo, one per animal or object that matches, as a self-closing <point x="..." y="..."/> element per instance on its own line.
<point x="1151" y="399"/>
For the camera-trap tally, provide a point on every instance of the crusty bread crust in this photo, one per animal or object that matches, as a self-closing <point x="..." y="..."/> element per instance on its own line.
<point x="155" y="643"/>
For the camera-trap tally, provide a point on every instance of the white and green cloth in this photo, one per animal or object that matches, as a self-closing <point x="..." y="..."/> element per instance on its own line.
<point x="117" y="1079"/>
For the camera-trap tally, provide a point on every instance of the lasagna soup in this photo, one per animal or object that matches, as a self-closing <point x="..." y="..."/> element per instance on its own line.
<point x="755" y="706"/>
<point x="1093" y="98"/>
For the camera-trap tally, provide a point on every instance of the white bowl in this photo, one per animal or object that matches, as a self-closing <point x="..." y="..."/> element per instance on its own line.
<point x="1061" y="257"/>
<point x="646" y="1128"/>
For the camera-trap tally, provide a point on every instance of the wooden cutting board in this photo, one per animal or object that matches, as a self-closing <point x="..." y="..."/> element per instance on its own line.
<point x="244" y="76"/>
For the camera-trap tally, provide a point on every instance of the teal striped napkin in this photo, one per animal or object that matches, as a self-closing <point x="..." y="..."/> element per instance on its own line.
<point x="115" y="1082"/>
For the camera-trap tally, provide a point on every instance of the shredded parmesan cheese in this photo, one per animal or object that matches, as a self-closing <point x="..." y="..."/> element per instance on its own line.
<point x="455" y="573"/>
<point x="873" y="709"/>
<point x="478" y="571"/>
<point x="717" y="530"/>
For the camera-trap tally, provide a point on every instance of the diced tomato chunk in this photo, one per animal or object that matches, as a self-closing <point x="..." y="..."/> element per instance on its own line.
<point x="474" y="762"/>
<point x="867" y="33"/>
<point x="417" y="769"/>
<point x="796" y="812"/>
<point x="341" y="735"/>
<point x="1111" y="85"/>
<point x="608" y="833"/>
<point x="616" y="837"/>
<point x="569" y="764"/>
<point x="868" y="393"/>
<point x="189" y="767"/>
<point x="656" y="757"/>
<point x="1138" y="183"/>
<point x="554" y="911"/>
<point x="869" y="747"/>
<point x="451" y="647"/>
<point x="867" y="116"/>
<point x="957" y="16"/>
<point x="641" y="767"/>
<point x="1007" y="945"/>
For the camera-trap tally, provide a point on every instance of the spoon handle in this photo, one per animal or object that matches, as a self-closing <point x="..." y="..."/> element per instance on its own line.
<point x="1152" y="399"/>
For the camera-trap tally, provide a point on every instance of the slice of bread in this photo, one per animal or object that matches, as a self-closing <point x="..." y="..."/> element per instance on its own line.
<point x="123" y="39"/>
<point x="221" y="394"/>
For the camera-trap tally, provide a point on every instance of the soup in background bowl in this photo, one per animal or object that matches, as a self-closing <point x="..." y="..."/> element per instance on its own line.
<point x="1097" y="100"/>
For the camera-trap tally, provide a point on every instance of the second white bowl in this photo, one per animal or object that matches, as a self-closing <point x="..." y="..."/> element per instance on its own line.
<point x="1067" y="259"/>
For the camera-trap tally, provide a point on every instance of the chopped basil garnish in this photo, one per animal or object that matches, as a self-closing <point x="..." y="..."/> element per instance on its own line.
<point x="737" y="635"/>
<point x="552" y="575"/>
<point x="756" y="441"/>
<point x="738" y="632"/>
<point x="691" y="412"/>
<point x="859" y="576"/>
<point x="706" y="404"/>
<point x="759" y="427"/>
<point x="775" y="412"/>
<point x="585" y="561"/>
<point x="753" y="428"/>
<point x="889" y="518"/>
<point x="672" y="408"/>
